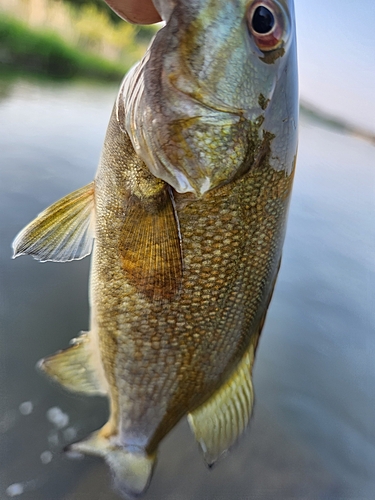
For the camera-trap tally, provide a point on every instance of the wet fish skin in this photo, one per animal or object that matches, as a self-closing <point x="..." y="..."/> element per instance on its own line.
<point x="200" y="87"/>
<point x="188" y="210"/>
<point x="221" y="299"/>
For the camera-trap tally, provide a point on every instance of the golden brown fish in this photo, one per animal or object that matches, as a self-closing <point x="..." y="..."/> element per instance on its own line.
<point x="188" y="212"/>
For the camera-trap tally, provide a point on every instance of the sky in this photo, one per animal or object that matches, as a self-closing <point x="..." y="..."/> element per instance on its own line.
<point x="336" y="52"/>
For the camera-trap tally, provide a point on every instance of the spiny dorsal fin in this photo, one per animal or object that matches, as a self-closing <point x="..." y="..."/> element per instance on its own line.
<point x="62" y="232"/>
<point x="219" y="422"/>
<point x="132" y="468"/>
<point x="76" y="368"/>
<point x="150" y="246"/>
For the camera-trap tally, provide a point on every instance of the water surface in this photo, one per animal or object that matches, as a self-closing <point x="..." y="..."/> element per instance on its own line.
<point x="313" y="434"/>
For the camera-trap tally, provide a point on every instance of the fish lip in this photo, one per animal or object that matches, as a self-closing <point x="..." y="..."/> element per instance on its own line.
<point x="164" y="8"/>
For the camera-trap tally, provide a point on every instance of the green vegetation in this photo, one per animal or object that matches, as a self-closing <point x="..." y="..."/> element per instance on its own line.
<point x="82" y="38"/>
<point x="46" y="52"/>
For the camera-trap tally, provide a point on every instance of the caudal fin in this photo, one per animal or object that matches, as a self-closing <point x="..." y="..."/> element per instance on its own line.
<point x="132" y="469"/>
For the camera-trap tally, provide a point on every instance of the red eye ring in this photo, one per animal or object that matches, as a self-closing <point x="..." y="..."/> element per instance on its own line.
<point x="266" y="14"/>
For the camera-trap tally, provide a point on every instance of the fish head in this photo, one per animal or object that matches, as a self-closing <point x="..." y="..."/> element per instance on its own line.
<point x="218" y="80"/>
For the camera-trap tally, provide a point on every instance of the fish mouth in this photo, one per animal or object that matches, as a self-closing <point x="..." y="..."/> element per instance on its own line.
<point x="186" y="135"/>
<point x="164" y="8"/>
<point x="197" y="154"/>
<point x="182" y="150"/>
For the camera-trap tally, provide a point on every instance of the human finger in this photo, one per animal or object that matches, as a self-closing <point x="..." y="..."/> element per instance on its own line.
<point x="135" y="11"/>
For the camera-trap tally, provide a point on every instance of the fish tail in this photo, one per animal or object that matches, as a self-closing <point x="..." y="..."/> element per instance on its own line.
<point x="132" y="467"/>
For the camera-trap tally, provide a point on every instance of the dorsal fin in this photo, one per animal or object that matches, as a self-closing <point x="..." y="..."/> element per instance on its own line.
<point x="150" y="246"/>
<point x="62" y="232"/>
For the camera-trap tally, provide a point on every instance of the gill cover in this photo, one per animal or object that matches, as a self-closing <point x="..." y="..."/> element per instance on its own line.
<point x="205" y="91"/>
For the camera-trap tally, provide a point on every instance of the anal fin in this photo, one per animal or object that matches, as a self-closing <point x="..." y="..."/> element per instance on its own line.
<point x="150" y="245"/>
<point x="219" y="421"/>
<point x="62" y="232"/>
<point x="75" y="368"/>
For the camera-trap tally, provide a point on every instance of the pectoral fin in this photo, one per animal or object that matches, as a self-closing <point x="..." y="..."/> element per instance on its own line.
<point x="63" y="232"/>
<point x="219" y="422"/>
<point x="150" y="246"/>
<point x="76" y="368"/>
<point x="132" y="468"/>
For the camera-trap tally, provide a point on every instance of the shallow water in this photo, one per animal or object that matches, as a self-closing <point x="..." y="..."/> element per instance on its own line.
<point x="313" y="432"/>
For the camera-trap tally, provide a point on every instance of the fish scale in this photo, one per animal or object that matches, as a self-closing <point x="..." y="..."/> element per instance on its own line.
<point x="228" y="264"/>
<point x="186" y="220"/>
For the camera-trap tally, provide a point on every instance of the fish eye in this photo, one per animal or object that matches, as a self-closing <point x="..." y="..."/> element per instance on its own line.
<point x="263" y="20"/>
<point x="266" y="23"/>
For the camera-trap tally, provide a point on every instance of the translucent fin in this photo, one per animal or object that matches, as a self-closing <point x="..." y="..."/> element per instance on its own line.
<point x="132" y="469"/>
<point x="62" y="232"/>
<point x="219" y="422"/>
<point x="150" y="246"/>
<point x="75" y="368"/>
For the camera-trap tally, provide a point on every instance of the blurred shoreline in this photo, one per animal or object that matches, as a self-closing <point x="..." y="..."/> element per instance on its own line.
<point x="68" y="38"/>
<point x="83" y="38"/>
<point x="334" y="122"/>
<point x="43" y="52"/>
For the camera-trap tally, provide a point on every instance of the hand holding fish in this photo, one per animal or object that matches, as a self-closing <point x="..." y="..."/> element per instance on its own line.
<point x="135" y="11"/>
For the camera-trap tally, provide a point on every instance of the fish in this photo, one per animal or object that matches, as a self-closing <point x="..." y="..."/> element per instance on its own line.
<point x="185" y="221"/>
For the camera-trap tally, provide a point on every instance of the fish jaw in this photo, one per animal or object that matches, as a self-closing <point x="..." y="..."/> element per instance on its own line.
<point x="281" y="115"/>
<point x="199" y="95"/>
<point x="183" y="142"/>
<point x="165" y="8"/>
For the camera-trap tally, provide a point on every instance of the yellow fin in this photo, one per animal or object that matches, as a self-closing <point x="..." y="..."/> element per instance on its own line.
<point x="150" y="246"/>
<point x="219" y="422"/>
<point x="74" y="368"/>
<point x="62" y="232"/>
<point x="132" y="468"/>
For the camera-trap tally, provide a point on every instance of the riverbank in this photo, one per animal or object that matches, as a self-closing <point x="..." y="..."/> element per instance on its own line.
<point x="325" y="119"/>
<point x="67" y="39"/>
<point x="46" y="52"/>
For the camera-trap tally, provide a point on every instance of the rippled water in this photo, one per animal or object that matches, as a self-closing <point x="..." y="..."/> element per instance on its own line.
<point x="313" y="433"/>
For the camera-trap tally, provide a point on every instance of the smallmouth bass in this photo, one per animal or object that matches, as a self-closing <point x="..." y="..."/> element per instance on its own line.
<point x="185" y="220"/>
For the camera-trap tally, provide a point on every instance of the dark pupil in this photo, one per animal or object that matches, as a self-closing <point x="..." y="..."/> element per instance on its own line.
<point x="263" y="20"/>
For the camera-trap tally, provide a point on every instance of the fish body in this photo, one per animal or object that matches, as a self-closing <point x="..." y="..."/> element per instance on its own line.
<point x="188" y="213"/>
